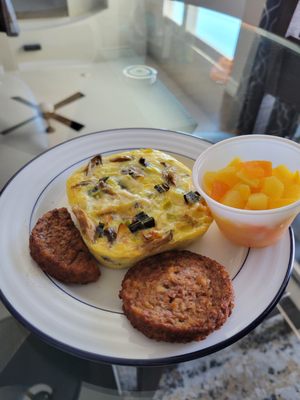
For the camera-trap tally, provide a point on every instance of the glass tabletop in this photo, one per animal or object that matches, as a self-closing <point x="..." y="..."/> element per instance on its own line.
<point x="198" y="67"/>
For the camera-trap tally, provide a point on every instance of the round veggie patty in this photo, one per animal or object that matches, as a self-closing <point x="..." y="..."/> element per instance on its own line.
<point x="177" y="296"/>
<point x="56" y="245"/>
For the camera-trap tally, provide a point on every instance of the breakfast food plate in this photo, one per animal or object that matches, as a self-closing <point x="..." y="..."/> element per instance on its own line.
<point x="87" y="320"/>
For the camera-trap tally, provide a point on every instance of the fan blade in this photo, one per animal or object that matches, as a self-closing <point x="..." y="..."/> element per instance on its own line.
<point x="68" y="100"/>
<point x="72" y="124"/>
<point x="6" y="131"/>
<point x="28" y="103"/>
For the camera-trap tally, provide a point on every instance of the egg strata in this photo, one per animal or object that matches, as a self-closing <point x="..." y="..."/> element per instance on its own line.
<point x="135" y="204"/>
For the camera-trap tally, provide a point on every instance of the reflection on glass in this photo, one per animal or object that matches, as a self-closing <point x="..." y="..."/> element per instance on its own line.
<point x="218" y="30"/>
<point x="174" y="10"/>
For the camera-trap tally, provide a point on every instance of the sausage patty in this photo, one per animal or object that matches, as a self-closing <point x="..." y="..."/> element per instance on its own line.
<point x="177" y="296"/>
<point x="56" y="245"/>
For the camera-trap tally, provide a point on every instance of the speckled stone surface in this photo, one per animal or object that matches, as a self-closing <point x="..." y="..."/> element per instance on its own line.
<point x="264" y="365"/>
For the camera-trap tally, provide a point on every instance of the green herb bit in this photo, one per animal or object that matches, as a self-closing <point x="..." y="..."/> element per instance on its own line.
<point x="143" y="162"/>
<point x="135" y="226"/>
<point x="192" y="197"/>
<point x="141" y="221"/>
<point x="99" y="232"/>
<point x="94" y="192"/>
<point x="111" y="234"/>
<point x="164" y="187"/>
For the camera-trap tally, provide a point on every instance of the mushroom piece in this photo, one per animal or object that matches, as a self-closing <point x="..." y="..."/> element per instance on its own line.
<point x="134" y="172"/>
<point x="87" y="227"/>
<point x="94" y="162"/>
<point x="155" y="239"/>
<point x="169" y="175"/>
<point x="121" y="158"/>
<point x="82" y="183"/>
<point x="105" y="186"/>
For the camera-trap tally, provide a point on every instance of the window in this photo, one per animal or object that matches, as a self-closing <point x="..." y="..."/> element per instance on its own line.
<point x="174" y="10"/>
<point x="218" y="30"/>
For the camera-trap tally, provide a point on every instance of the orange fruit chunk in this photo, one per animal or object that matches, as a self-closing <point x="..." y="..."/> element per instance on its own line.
<point x="233" y="198"/>
<point x="273" y="187"/>
<point x="257" y="201"/>
<point x="253" y="185"/>
<point x="256" y="169"/>
<point x="276" y="203"/>
<point x="243" y="189"/>
<point x="218" y="190"/>
<point x="283" y="174"/>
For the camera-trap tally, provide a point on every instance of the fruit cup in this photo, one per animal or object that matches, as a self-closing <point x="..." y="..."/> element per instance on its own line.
<point x="251" y="228"/>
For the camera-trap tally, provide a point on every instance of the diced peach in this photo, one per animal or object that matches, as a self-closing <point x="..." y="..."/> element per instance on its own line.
<point x="258" y="169"/>
<point x="208" y="180"/>
<point x="218" y="190"/>
<point x="234" y="199"/>
<point x="253" y="172"/>
<point x="257" y="201"/>
<point x="235" y="162"/>
<point x="276" y="203"/>
<point x="273" y="187"/>
<point x="227" y="175"/>
<point x="253" y="183"/>
<point x="267" y="166"/>
<point x="296" y="178"/>
<point x="292" y="191"/>
<point x="243" y="189"/>
<point x="284" y="174"/>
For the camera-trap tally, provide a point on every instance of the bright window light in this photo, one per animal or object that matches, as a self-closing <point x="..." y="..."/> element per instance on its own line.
<point x="174" y="10"/>
<point x="218" y="30"/>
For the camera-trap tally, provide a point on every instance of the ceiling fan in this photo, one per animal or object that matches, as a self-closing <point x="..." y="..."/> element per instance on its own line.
<point x="48" y="112"/>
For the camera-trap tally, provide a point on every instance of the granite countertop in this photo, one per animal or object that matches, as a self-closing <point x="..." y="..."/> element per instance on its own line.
<point x="263" y="365"/>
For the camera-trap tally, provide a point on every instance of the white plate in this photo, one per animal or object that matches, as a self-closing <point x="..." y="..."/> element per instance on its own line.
<point x="87" y="320"/>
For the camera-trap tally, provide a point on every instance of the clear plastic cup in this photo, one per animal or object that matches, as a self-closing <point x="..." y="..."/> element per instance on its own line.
<point x="249" y="228"/>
